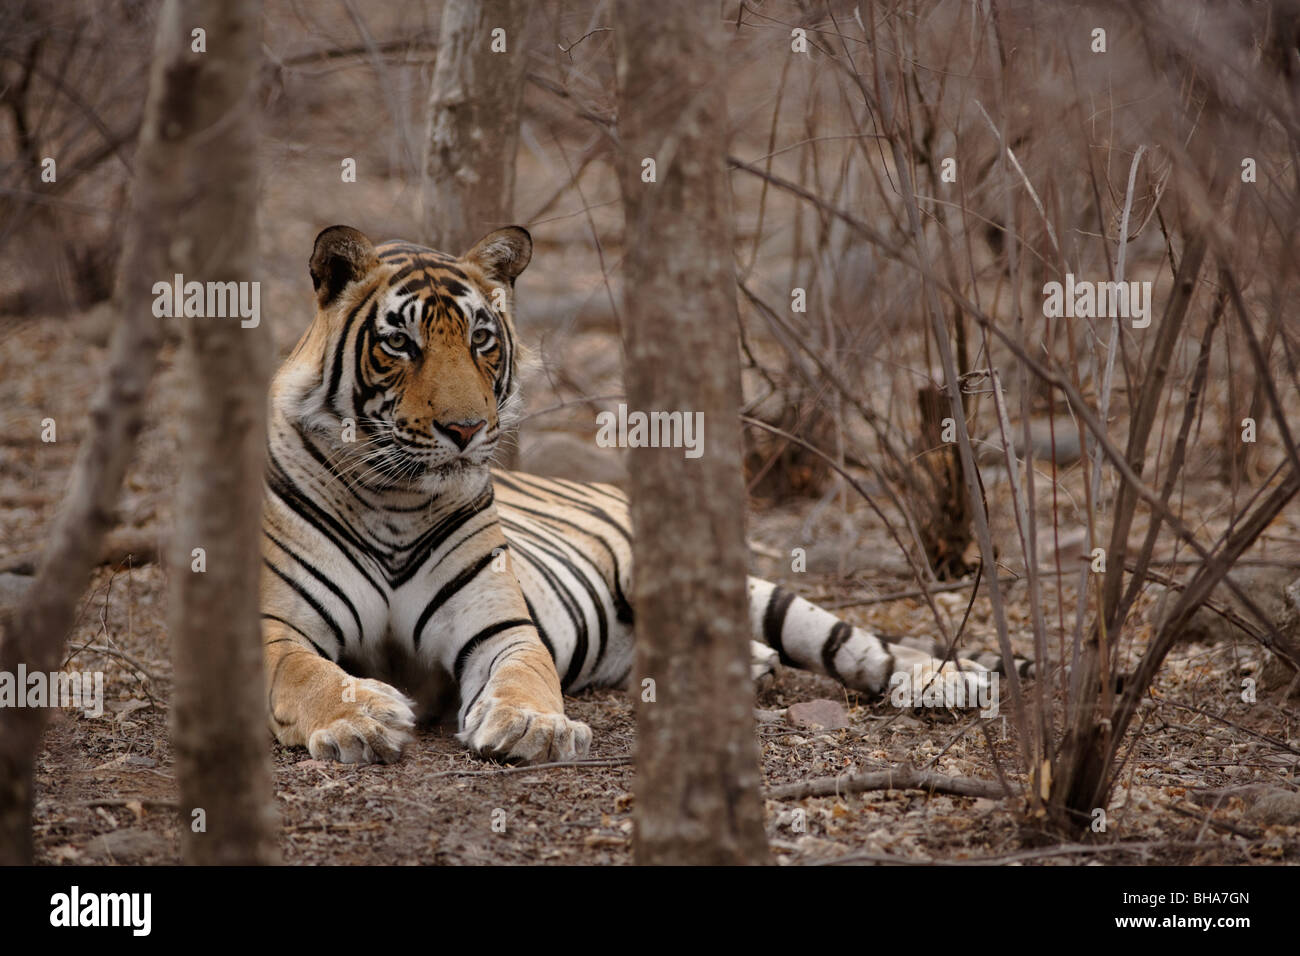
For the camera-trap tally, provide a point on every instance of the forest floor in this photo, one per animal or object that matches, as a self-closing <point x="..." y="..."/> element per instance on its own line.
<point x="1201" y="784"/>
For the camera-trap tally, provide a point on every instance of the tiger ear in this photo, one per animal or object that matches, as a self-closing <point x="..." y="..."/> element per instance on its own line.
<point x="502" y="254"/>
<point x="341" y="256"/>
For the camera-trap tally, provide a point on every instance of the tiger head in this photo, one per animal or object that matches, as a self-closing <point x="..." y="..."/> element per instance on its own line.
<point x="412" y="348"/>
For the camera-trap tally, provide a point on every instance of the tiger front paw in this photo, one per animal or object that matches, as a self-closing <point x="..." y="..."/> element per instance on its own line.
<point x="375" y="727"/>
<point x="504" y="731"/>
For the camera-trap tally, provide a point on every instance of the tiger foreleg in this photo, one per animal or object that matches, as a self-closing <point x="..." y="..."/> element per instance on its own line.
<point x="512" y="708"/>
<point x="313" y="702"/>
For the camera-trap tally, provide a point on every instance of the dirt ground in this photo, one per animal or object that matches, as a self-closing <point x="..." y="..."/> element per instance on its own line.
<point x="106" y="791"/>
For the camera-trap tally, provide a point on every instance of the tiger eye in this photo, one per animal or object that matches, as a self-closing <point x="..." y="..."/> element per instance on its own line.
<point x="480" y="338"/>
<point x="395" y="340"/>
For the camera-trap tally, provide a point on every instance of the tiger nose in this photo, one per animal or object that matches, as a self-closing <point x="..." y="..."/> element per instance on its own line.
<point x="460" y="432"/>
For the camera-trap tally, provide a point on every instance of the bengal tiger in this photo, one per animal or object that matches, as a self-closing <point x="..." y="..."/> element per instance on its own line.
<point x="396" y="557"/>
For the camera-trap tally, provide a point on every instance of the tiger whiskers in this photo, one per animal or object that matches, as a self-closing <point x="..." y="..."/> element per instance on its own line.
<point x="389" y="464"/>
<point x="504" y="440"/>
<point x="342" y="465"/>
<point x="355" y="465"/>
<point x="345" y="460"/>
<point x="509" y="412"/>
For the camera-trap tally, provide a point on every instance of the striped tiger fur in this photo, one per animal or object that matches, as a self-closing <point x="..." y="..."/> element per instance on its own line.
<point x="395" y="558"/>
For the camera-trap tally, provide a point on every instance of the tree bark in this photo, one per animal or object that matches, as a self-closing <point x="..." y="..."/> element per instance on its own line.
<point x="935" y="490"/>
<point x="219" y="699"/>
<point x="36" y="633"/>
<point x="469" y="163"/>
<point x="469" y="166"/>
<point x="697" y="769"/>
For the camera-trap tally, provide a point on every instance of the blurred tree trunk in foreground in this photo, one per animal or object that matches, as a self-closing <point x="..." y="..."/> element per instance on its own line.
<point x="191" y="96"/>
<point x="219" y="702"/>
<point x="469" y="163"/>
<point x="698" y="781"/>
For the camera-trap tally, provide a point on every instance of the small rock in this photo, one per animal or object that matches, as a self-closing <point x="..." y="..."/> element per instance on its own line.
<point x="816" y="847"/>
<point x="1274" y="590"/>
<point x="830" y="557"/>
<point x="1277" y="807"/>
<point x="129" y="845"/>
<point x="564" y="455"/>
<point x="819" y="714"/>
<point x="123" y="761"/>
<point x="905" y="722"/>
<point x="1060" y="442"/>
<point x="1277" y="675"/>
<point x="124" y="708"/>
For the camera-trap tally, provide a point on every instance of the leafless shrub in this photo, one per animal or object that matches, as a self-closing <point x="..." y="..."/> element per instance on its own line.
<point x="70" y="75"/>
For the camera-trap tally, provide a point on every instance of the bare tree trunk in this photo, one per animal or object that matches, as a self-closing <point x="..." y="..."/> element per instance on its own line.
<point x="697" y="768"/>
<point x="469" y="163"/>
<point x="218" y="704"/>
<point x="35" y="635"/>
<point x="478" y="84"/>
<point x="935" y="490"/>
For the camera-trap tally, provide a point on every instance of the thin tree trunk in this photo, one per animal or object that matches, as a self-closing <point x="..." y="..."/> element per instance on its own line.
<point x="38" y="628"/>
<point x="219" y="699"/>
<point x="697" y="769"/>
<point x="469" y="163"/>
<point x="36" y="633"/>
